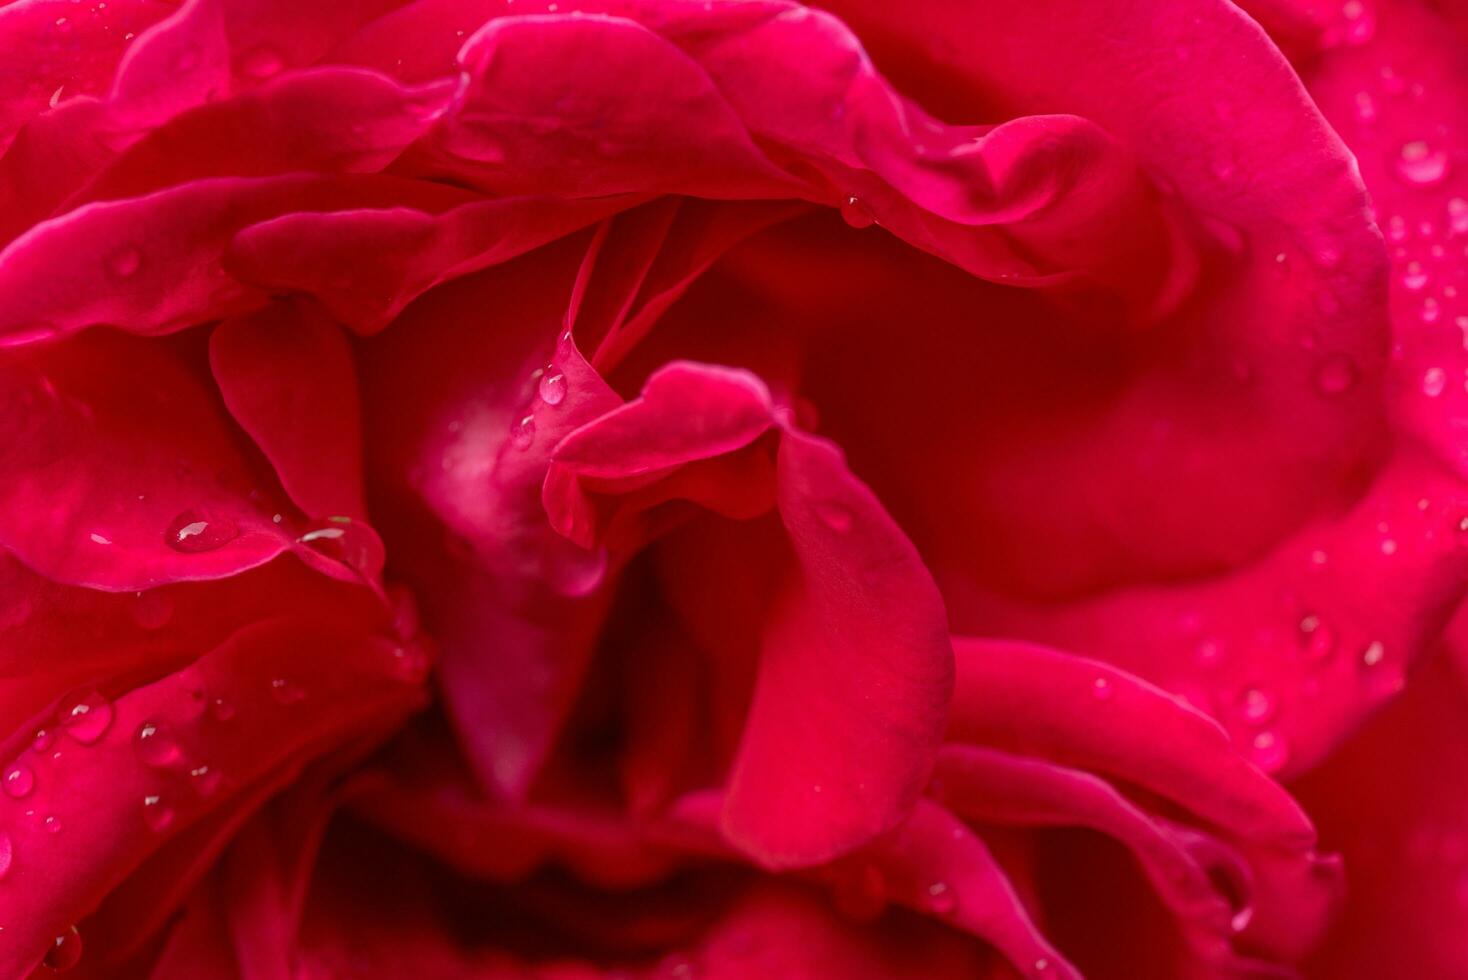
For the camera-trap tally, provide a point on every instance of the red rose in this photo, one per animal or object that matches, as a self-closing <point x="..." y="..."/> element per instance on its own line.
<point x="668" y="489"/>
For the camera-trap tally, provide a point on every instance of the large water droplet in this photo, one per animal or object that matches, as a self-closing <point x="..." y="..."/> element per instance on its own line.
<point x="157" y="746"/>
<point x="19" y="781"/>
<point x="1335" y="375"/>
<point x="194" y="531"/>
<point x="65" y="951"/>
<point x="352" y="543"/>
<point x="552" y="386"/>
<point x="86" y="717"/>
<point x="1420" y="164"/>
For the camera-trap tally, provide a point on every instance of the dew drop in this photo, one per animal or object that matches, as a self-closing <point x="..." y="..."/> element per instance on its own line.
<point x="1360" y="22"/>
<point x="205" y="780"/>
<point x="1430" y="310"/>
<point x="522" y="433"/>
<point x="1335" y="375"/>
<point x="65" y="951"/>
<point x="1374" y="653"/>
<point x="1269" y="751"/>
<point x="1256" y="706"/>
<point x="1365" y="107"/>
<point x="1396" y="229"/>
<point x="156" y="745"/>
<point x="1458" y="215"/>
<point x="19" y="781"/>
<point x="125" y="262"/>
<point x="552" y="386"/>
<point x="286" y="692"/>
<point x="100" y="538"/>
<point x="193" y="531"/>
<point x="1420" y="164"/>
<point x="855" y="213"/>
<point x="86" y="717"/>
<point x="52" y="824"/>
<point x="1434" y="380"/>
<point x="941" y="898"/>
<point x="261" y="62"/>
<point x="43" y="740"/>
<point x="1319" y="640"/>
<point x="1101" y="689"/>
<point x="835" y="516"/>
<point x="1414" y="277"/>
<point x="157" y="814"/>
<point x="7" y="854"/>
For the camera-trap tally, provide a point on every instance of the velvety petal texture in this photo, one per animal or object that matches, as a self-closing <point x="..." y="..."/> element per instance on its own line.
<point x="670" y="489"/>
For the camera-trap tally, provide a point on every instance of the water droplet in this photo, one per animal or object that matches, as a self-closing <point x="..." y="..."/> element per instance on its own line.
<point x="1374" y="653"/>
<point x="125" y="262"/>
<point x="65" y="951"/>
<point x="7" y="854"/>
<point x="193" y="531"/>
<point x="1420" y="164"/>
<point x="19" y="781"/>
<point x="1430" y="310"/>
<point x="1101" y="689"/>
<point x="153" y="609"/>
<point x="1256" y="706"/>
<point x="941" y="898"/>
<point x="52" y="824"/>
<point x="43" y="740"/>
<point x="1042" y="967"/>
<point x="1335" y="375"/>
<point x="352" y="543"/>
<point x="205" y="780"/>
<point x="1396" y="229"/>
<point x="1458" y="216"/>
<point x="156" y="745"/>
<point x="261" y="62"/>
<point x="285" y="692"/>
<point x="157" y="814"/>
<point x="100" y="538"/>
<point x="1268" y="750"/>
<point x="1434" y="380"/>
<point x="1414" y="277"/>
<point x="1208" y="652"/>
<point x="1365" y="107"/>
<point x="86" y="717"/>
<point x="552" y="386"/>
<point x="1319" y="639"/>
<point x="835" y="516"/>
<point x="855" y="213"/>
<point x="1360" y="22"/>
<point x="522" y="433"/>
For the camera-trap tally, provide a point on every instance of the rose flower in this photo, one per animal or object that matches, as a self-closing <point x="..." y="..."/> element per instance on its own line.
<point x="659" y="489"/>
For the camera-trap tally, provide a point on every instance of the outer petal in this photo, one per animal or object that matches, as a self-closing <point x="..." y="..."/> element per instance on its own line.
<point x="126" y="478"/>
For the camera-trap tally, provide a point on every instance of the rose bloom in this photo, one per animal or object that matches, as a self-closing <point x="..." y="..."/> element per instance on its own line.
<point x="677" y="490"/>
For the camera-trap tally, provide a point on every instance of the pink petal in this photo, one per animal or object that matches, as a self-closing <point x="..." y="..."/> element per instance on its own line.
<point x="157" y="487"/>
<point x="288" y="378"/>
